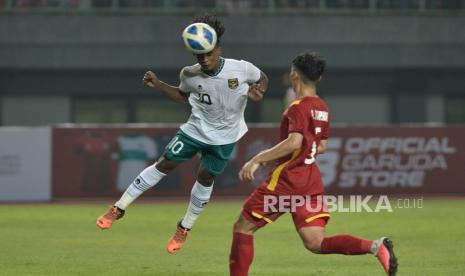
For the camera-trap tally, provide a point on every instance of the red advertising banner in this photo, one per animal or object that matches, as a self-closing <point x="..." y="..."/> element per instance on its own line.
<point x="103" y="161"/>
<point x="395" y="160"/>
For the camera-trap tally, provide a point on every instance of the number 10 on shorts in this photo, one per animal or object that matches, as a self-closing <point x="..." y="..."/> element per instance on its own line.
<point x="175" y="146"/>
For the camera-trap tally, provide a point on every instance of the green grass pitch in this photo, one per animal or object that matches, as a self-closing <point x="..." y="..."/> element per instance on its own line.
<point x="62" y="239"/>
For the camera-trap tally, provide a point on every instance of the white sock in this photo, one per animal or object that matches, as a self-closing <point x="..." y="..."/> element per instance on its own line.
<point x="200" y="195"/>
<point x="376" y="245"/>
<point x="148" y="178"/>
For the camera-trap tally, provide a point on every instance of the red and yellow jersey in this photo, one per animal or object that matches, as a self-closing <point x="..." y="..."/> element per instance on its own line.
<point x="298" y="173"/>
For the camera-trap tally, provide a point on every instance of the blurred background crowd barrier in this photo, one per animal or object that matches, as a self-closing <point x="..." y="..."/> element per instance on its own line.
<point x="384" y="67"/>
<point x="233" y="6"/>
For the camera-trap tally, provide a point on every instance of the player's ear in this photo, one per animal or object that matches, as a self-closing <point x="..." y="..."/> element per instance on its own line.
<point x="218" y="50"/>
<point x="294" y="76"/>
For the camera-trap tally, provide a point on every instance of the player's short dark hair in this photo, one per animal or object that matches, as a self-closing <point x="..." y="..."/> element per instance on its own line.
<point x="211" y="19"/>
<point x="310" y="64"/>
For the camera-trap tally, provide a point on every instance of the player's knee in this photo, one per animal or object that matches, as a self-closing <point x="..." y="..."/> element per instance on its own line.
<point x="244" y="226"/>
<point x="313" y="245"/>
<point x="165" y="165"/>
<point x="205" y="178"/>
<point x="237" y="227"/>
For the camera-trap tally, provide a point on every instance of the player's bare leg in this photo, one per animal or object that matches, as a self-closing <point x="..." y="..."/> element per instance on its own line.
<point x="200" y="196"/>
<point x="314" y="239"/>
<point x="242" y="251"/>
<point x="165" y="165"/>
<point x="148" y="178"/>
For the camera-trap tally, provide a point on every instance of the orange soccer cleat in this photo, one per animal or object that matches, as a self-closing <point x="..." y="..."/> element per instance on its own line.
<point x="177" y="241"/>
<point x="106" y="220"/>
<point x="385" y="255"/>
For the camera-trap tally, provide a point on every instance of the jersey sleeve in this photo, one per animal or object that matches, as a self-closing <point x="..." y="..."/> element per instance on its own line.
<point x="297" y="119"/>
<point x="252" y="72"/>
<point x="325" y="132"/>
<point x="183" y="87"/>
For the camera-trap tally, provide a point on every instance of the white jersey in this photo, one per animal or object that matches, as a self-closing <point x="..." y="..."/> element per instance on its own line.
<point x="218" y="101"/>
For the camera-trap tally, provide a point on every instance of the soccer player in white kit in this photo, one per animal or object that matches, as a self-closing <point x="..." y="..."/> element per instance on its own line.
<point x="217" y="89"/>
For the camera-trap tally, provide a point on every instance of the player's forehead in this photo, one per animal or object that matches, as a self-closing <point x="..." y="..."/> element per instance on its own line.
<point x="212" y="52"/>
<point x="205" y="54"/>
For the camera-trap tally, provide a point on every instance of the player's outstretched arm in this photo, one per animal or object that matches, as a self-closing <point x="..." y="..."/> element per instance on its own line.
<point x="151" y="80"/>
<point x="256" y="90"/>
<point x="286" y="147"/>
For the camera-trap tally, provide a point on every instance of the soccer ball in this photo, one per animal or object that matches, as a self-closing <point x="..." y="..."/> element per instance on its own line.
<point x="199" y="38"/>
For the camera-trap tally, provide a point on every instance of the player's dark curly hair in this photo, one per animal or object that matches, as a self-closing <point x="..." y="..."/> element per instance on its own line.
<point x="310" y="64"/>
<point x="211" y="19"/>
